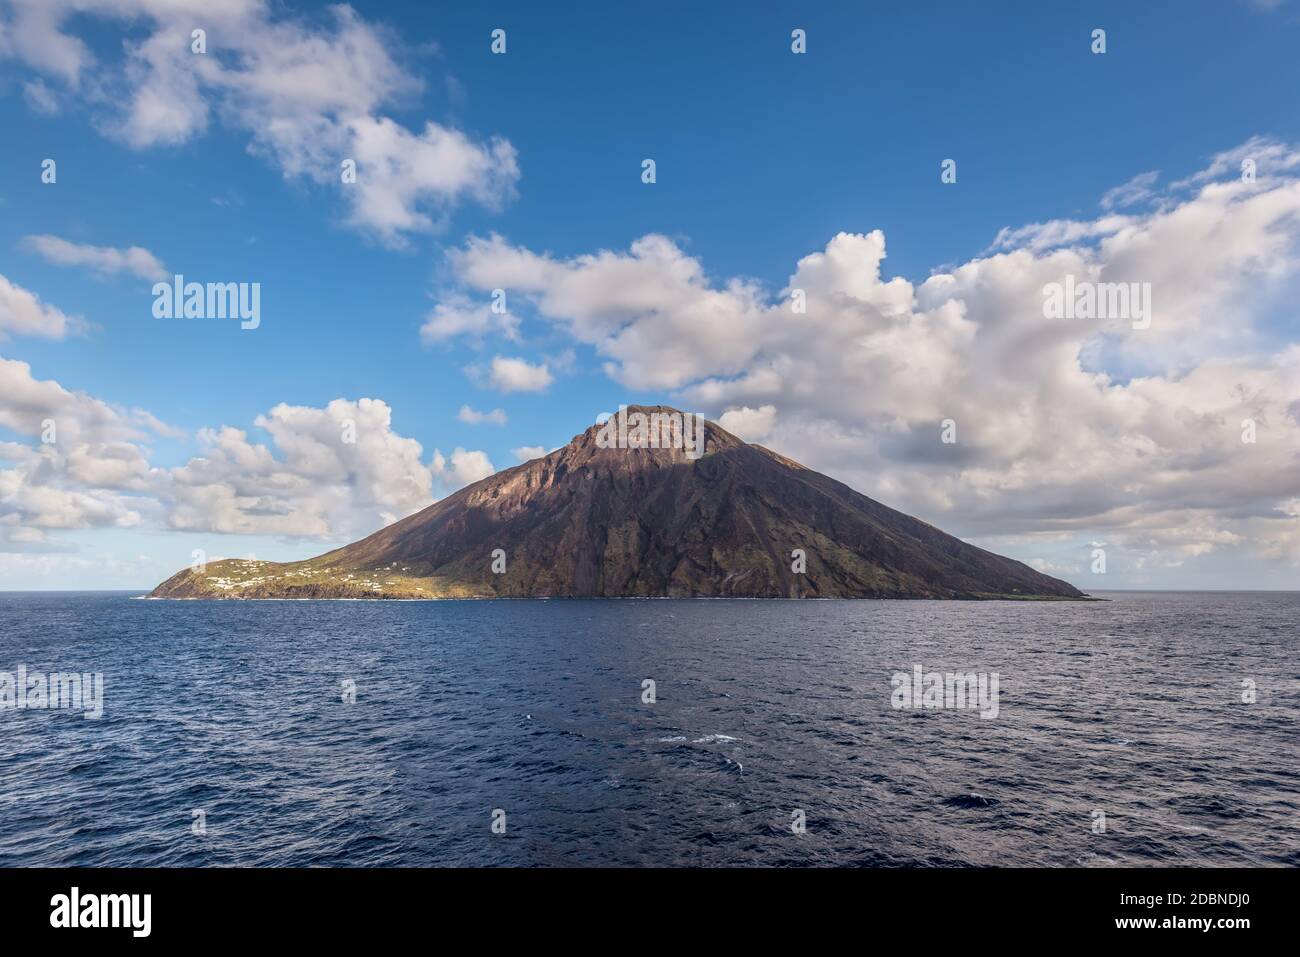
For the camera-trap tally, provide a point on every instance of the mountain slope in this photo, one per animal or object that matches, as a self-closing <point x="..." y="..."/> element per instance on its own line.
<point x="612" y="522"/>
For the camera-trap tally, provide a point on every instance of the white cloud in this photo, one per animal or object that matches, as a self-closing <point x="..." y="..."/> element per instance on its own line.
<point x="458" y="317"/>
<point x="1057" y="232"/>
<point x="654" y="302"/>
<point x="27" y="404"/>
<point x="1139" y="189"/>
<point x="309" y="92"/>
<point x="1272" y="160"/>
<point x="120" y="465"/>
<point x="151" y="422"/>
<point x="57" y="570"/>
<point x="40" y="506"/>
<point x="518" y="375"/>
<point x="40" y="98"/>
<point x="526" y="453"/>
<point x="86" y="468"/>
<point x="339" y="471"/>
<point x="22" y="313"/>
<point x="464" y="468"/>
<point x="104" y="260"/>
<point x="336" y="473"/>
<point x="1065" y="427"/>
<point x="752" y="425"/>
<point x="332" y="473"/>
<point x="406" y="181"/>
<point x="474" y="417"/>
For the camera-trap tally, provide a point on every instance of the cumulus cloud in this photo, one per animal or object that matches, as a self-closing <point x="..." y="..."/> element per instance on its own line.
<point x="464" y="468"/>
<point x="332" y="473"/>
<point x="336" y="471"/>
<point x="518" y="375"/>
<point x="471" y="416"/>
<point x="631" y="305"/>
<point x="458" y="317"/>
<point x="308" y="92"/>
<point x="1065" y="428"/>
<point x="23" y="313"/>
<point x="103" y="260"/>
<point x="526" y="453"/>
<point x="407" y="180"/>
<point x="752" y="425"/>
<point x="34" y="506"/>
<point x="86" y="465"/>
<point x="30" y="406"/>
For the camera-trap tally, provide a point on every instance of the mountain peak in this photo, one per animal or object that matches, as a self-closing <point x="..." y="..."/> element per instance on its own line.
<point x="656" y="435"/>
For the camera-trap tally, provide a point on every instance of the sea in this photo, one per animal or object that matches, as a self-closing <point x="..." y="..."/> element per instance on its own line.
<point x="1149" y="729"/>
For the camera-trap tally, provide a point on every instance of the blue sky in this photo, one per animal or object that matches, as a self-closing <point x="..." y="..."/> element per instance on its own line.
<point x="762" y="157"/>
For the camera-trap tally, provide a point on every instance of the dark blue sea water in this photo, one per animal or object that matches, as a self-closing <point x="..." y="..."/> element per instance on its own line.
<point x="1131" y="707"/>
